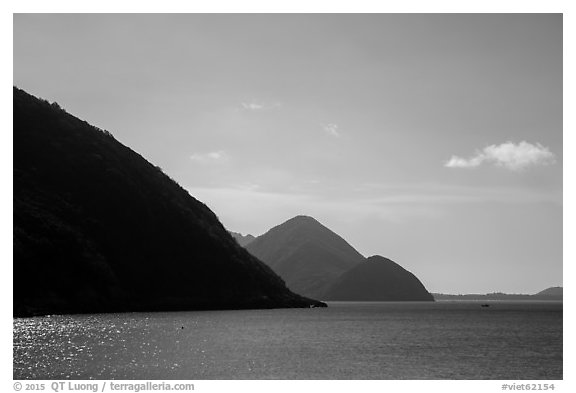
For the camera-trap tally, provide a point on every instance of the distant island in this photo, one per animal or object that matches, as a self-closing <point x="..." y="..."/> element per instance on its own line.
<point x="97" y="228"/>
<point x="316" y="262"/>
<point x="552" y="293"/>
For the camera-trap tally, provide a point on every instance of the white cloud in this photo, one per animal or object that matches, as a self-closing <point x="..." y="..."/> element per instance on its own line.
<point x="252" y="106"/>
<point x="458" y="162"/>
<point x="331" y="129"/>
<point x="210" y="157"/>
<point x="259" y="106"/>
<point x="515" y="157"/>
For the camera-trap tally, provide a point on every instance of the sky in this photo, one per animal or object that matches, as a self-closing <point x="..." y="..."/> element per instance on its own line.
<point x="432" y="139"/>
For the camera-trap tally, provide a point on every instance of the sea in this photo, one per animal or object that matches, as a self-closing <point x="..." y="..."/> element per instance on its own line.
<point x="449" y="340"/>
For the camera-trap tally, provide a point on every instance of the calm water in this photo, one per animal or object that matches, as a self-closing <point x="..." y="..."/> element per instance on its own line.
<point x="442" y="340"/>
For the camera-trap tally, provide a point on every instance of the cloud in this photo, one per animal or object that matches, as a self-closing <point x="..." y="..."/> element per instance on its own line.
<point x="211" y="157"/>
<point x="515" y="157"/>
<point x="331" y="129"/>
<point x="259" y="106"/>
<point x="252" y="106"/>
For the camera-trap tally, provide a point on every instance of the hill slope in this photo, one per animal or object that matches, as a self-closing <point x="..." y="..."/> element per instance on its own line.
<point x="378" y="279"/>
<point x="556" y="292"/>
<point x="98" y="228"/>
<point x="306" y="254"/>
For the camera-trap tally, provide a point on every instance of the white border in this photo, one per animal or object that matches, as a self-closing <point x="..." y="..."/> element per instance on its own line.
<point x="247" y="6"/>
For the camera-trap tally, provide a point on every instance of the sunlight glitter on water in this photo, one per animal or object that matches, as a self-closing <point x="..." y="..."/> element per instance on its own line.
<point x="442" y="340"/>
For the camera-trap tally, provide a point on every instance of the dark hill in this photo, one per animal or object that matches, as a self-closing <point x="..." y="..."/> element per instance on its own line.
<point x="97" y="228"/>
<point x="556" y="292"/>
<point x="378" y="279"/>
<point x="243" y="240"/>
<point x="306" y="254"/>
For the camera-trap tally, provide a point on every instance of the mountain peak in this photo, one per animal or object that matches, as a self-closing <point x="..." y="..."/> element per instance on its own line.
<point x="301" y="220"/>
<point x="305" y="253"/>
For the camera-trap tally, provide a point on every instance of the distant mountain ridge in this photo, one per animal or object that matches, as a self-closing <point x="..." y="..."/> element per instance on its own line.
<point x="552" y="293"/>
<point x="97" y="228"/>
<point x="242" y="240"/>
<point x="316" y="262"/>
